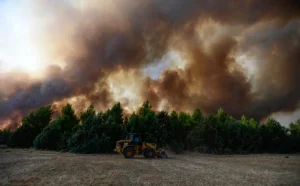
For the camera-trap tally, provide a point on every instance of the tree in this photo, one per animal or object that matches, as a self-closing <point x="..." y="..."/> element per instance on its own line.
<point x="69" y="118"/>
<point x="144" y="122"/>
<point x="197" y="116"/>
<point x="274" y="136"/>
<point x="253" y="123"/>
<point x="149" y="124"/>
<point x="90" y="112"/>
<point x="98" y="132"/>
<point x="56" y="135"/>
<point x="31" y="126"/>
<point x="244" y="120"/>
<point x="113" y="125"/>
<point x="116" y="114"/>
<point x="210" y="134"/>
<point x="5" y="137"/>
<point x="196" y="129"/>
<point x="223" y="116"/>
<point x="295" y="128"/>
<point x="91" y="138"/>
<point x="145" y="108"/>
<point x="177" y="137"/>
<point x="294" y="136"/>
<point x="161" y="130"/>
<point x="49" y="138"/>
<point x="68" y="123"/>
<point x="133" y="124"/>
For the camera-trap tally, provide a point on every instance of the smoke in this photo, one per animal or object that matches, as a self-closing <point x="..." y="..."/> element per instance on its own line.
<point x="207" y="81"/>
<point x="278" y="73"/>
<point x="92" y="42"/>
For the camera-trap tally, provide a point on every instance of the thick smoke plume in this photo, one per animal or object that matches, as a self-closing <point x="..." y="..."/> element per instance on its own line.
<point x="94" y="40"/>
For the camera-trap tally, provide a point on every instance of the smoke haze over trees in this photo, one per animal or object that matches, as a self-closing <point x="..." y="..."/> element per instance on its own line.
<point x="239" y="56"/>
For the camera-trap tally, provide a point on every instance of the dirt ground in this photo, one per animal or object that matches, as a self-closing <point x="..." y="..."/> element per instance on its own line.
<point x="30" y="167"/>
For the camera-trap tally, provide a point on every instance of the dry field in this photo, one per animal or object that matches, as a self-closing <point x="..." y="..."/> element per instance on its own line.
<point x="30" y="167"/>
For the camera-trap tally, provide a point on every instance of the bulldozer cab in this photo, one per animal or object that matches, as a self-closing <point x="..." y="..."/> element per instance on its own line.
<point x="135" y="138"/>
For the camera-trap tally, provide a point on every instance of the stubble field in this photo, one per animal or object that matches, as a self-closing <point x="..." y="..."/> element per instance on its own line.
<point x="30" y="167"/>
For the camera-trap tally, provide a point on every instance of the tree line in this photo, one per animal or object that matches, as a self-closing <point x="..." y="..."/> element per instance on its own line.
<point x="97" y="132"/>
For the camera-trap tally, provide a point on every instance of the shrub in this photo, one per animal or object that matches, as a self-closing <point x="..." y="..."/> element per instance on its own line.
<point x="49" y="138"/>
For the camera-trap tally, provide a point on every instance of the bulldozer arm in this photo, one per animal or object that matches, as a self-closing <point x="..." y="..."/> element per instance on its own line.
<point x="160" y="153"/>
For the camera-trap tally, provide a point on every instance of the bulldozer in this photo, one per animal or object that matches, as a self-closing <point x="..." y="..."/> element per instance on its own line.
<point x="134" y="145"/>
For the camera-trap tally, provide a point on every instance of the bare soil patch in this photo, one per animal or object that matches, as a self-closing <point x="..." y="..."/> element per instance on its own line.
<point x="30" y="167"/>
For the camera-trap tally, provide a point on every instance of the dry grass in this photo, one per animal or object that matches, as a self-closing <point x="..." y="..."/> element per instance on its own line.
<point x="30" y="167"/>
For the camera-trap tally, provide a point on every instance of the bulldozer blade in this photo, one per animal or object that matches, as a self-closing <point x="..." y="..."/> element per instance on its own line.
<point x="162" y="154"/>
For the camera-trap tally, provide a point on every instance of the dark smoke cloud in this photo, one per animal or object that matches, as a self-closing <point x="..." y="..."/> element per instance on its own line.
<point x="279" y="66"/>
<point x="105" y="38"/>
<point x="173" y="88"/>
<point x="207" y="82"/>
<point x="229" y="11"/>
<point x="213" y="85"/>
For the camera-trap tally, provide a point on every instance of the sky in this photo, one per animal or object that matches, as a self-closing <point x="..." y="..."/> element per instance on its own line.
<point x="182" y="55"/>
<point x="17" y="46"/>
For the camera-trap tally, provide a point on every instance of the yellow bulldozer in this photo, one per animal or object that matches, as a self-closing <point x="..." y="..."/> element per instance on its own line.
<point x="134" y="145"/>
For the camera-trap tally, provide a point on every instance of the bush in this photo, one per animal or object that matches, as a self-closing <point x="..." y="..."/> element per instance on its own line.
<point x="49" y="138"/>
<point x="32" y="126"/>
<point x="5" y="137"/>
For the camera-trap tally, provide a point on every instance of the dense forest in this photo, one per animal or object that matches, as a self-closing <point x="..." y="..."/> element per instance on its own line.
<point x="97" y="132"/>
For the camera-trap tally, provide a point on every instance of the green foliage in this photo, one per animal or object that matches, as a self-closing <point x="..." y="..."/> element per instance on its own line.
<point x="90" y="112"/>
<point x="176" y="138"/>
<point x="145" y="122"/>
<point x="56" y="135"/>
<point x="194" y="131"/>
<point x="98" y="132"/>
<point x="161" y="131"/>
<point x="116" y="114"/>
<point x="294" y="140"/>
<point x="91" y="138"/>
<point x="49" y="138"/>
<point x="5" y="137"/>
<point x="197" y="116"/>
<point x="274" y="136"/>
<point x="145" y="108"/>
<point x="68" y="118"/>
<point x="32" y="125"/>
<point x="222" y="116"/>
<point x="295" y="128"/>
<point x="68" y="123"/>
